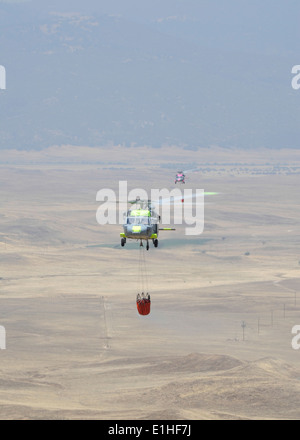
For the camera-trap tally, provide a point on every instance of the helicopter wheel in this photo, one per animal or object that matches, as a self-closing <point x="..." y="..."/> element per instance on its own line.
<point x="155" y="242"/>
<point x="147" y="247"/>
<point x="123" y="241"/>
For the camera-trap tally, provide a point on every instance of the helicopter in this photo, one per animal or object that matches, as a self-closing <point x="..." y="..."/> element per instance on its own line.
<point x="180" y="177"/>
<point x="141" y="223"/>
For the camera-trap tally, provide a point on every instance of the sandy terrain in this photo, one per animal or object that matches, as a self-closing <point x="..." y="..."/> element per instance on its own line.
<point x="76" y="348"/>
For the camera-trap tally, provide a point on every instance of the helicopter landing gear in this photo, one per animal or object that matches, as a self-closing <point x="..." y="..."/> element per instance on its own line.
<point x="141" y="243"/>
<point x="155" y="242"/>
<point x="123" y="241"/>
<point x="147" y="247"/>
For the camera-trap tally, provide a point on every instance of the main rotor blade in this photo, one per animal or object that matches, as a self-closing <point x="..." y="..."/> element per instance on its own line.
<point x="180" y="198"/>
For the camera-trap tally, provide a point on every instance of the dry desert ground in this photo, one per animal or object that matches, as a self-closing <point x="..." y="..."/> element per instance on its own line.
<point x="218" y="341"/>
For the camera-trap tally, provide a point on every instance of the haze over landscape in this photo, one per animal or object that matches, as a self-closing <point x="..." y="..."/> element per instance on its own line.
<point x="102" y="92"/>
<point x="191" y="73"/>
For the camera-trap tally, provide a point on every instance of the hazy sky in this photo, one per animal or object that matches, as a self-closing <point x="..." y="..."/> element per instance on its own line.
<point x="186" y="71"/>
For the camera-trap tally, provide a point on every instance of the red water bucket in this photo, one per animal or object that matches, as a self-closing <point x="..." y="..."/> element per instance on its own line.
<point x="143" y="304"/>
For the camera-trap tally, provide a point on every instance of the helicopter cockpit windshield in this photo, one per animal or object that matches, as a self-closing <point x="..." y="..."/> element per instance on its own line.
<point x="138" y="220"/>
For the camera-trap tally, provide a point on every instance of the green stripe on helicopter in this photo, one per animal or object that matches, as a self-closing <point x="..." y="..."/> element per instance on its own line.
<point x="140" y="213"/>
<point x="136" y="228"/>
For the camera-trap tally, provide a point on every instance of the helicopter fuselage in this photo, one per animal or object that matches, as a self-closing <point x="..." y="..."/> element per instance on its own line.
<point x="180" y="177"/>
<point x="142" y="232"/>
<point x="141" y="224"/>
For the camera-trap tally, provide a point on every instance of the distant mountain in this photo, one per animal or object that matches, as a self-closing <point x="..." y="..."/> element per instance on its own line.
<point x="85" y="76"/>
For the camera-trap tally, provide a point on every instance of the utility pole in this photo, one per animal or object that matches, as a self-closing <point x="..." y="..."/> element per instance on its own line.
<point x="243" y="327"/>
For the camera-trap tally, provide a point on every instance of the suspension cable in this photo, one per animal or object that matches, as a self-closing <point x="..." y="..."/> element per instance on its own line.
<point x="145" y="270"/>
<point x="142" y="275"/>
